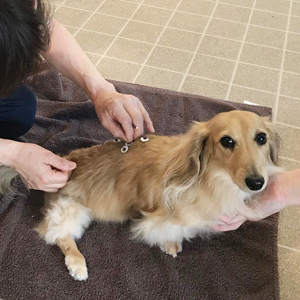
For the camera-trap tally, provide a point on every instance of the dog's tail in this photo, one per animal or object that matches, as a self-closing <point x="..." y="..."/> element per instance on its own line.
<point x="7" y="174"/>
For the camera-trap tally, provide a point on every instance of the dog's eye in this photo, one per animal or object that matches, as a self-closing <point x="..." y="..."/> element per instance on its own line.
<point x="261" y="138"/>
<point x="227" y="142"/>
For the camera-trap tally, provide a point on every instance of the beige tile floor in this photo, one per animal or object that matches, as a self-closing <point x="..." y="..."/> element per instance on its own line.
<point x="231" y="49"/>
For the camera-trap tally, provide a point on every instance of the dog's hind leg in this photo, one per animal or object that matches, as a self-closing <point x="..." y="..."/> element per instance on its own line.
<point x="65" y="220"/>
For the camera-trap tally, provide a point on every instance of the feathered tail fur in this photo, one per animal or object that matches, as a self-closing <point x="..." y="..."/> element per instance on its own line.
<point x="7" y="174"/>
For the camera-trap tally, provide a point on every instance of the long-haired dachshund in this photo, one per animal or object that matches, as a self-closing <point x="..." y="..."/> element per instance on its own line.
<point x="173" y="186"/>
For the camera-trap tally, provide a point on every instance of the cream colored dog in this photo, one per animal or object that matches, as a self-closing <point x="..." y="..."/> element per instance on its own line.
<point x="174" y="186"/>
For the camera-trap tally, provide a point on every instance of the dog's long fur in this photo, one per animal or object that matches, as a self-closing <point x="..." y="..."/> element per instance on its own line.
<point x="173" y="186"/>
<point x="7" y="174"/>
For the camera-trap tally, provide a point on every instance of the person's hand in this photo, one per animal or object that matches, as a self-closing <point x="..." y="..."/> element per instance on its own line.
<point x="122" y="115"/>
<point x="274" y="199"/>
<point x="39" y="168"/>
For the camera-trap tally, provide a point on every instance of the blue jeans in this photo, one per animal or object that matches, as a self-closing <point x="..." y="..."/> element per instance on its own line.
<point x="17" y="113"/>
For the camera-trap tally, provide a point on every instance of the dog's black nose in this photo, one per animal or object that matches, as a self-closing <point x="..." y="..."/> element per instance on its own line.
<point x="254" y="183"/>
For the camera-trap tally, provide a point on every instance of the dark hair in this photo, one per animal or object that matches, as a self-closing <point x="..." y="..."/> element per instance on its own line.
<point x="24" y="33"/>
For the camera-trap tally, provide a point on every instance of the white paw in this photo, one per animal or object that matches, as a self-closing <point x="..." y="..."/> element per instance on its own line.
<point x="77" y="267"/>
<point x="171" y="248"/>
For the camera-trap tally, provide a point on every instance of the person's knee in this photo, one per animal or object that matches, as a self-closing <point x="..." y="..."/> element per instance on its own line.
<point x="20" y="116"/>
<point x="28" y="103"/>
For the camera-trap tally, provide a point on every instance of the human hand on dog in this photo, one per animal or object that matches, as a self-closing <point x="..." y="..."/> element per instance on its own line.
<point x="282" y="192"/>
<point x="122" y="115"/>
<point x="39" y="168"/>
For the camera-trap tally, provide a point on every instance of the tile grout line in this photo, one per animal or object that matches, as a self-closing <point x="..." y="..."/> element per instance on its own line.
<point x="196" y="76"/>
<point x="184" y="30"/>
<point x="101" y="56"/>
<point x="60" y="5"/>
<point x="240" y="52"/>
<point x="93" y="13"/>
<point x="217" y="57"/>
<point x="198" y="46"/>
<point x="106" y="14"/>
<point x="288" y="125"/>
<point x="282" y="65"/>
<point x="121" y="30"/>
<point x="188" y="13"/>
<point x="288" y="248"/>
<point x="210" y="35"/>
<point x="220" y="2"/>
<point x="221" y="19"/>
<point x="181" y="73"/>
<point x="258" y="9"/>
<point x="290" y="159"/>
<point x="230" y="39"/>
<point x="206" y="55"/>
<point x="157" y="40"/>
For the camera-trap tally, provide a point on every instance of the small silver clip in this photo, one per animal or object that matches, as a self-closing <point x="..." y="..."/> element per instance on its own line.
<point x="124" y="149"/>
<point x="144" y="139"/>
<point x="128" y="144"/>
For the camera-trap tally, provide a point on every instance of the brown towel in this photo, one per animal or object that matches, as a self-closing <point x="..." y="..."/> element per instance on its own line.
<point x="237" y="265"/>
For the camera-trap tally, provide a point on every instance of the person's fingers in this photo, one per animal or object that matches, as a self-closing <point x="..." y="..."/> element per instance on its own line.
<point x="226" y="223"/>
<point x="125" y="120"/>
<point x="231" y="226"/>
<point x="147" y="120"/>
<point x="60" y="163"/>
<point x="123" y="115"/>
<point x="114" y="128"/>
<point x="225" y="227"/>
<point x="43" y="185"/>
<point x="231" y="220"/>
<point x="50" y="190"/>
<point x="137" y="119"/>
<point x="50" y="179"/>
<point x="53" y="177"/>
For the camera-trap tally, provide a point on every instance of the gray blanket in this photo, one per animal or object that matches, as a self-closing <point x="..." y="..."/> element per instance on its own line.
<point x="237" y="265"/>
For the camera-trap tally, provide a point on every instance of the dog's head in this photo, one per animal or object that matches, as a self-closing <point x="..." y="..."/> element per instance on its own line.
<point x="245" y="145"/>
<point x="240" y="143"/>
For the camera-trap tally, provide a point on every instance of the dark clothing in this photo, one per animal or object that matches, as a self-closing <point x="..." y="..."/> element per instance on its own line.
<point x="17" y="113"/>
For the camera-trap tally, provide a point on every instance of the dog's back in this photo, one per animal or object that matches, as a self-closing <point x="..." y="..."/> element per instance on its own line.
<point x="116" y="186"/>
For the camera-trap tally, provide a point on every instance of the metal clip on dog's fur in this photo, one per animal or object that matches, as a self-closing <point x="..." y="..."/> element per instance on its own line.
<point x="125" y="148"/>
<point x="144" y="139"/>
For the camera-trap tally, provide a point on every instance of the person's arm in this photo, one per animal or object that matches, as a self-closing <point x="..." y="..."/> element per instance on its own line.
<point x="118" y="113"/>
<point x="39" y="168"/>
<point x="282" y="192"/>
<point x="6" y="148"/>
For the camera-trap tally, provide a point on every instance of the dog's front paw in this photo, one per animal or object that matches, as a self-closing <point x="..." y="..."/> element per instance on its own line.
<point x="171" y="248"/>
<point x="77" y="267"/>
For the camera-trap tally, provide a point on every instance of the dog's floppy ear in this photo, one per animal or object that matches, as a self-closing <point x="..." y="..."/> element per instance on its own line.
<point x="183" y="163"/>
<point x="274" y="140"/>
